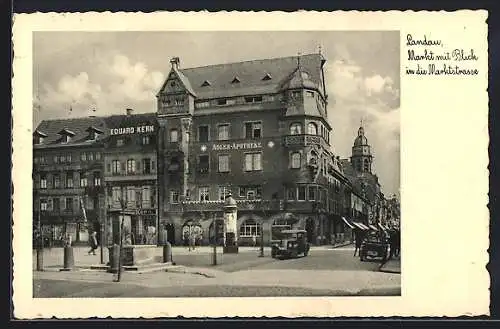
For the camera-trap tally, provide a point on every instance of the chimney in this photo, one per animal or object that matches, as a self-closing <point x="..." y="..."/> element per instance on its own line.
<point x="175" y="61"/>
<point x="130" y="111"/>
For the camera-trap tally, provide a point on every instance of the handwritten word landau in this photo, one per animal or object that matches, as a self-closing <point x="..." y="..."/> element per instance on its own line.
<point x="421" y="42"/>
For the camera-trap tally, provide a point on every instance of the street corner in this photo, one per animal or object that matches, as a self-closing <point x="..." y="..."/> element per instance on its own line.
<point x="391" y="266"/>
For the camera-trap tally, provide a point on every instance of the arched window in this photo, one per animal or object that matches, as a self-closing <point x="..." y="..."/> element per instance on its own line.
<point x="312" y="129"/>
<point x="174" y="136"/>
<point x="250" y="228"/>
<point x="295" y="128"/>
<point x="295" y="160"/>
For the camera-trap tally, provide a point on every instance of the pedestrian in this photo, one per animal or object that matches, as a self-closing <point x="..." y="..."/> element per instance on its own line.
<point x="254" y="240"/>
<point x="358" y="238"/>
<point x="193" y="241"/>
<point x="392" y="243"/>
<point x="93" y="243"/>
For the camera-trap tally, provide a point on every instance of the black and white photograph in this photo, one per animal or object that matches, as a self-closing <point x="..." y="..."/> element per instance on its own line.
<point x="216" y="164"/>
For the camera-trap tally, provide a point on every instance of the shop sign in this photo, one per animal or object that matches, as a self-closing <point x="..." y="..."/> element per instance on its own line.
<point x="236" y="146"/>
<point x="132" y="130"/>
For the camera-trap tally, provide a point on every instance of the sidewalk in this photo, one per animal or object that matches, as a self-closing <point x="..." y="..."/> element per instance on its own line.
<point x="391" y="266"/>
<point x="336" y="282"/>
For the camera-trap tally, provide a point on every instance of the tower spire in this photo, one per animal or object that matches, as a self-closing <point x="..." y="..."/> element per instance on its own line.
<point x="298" y="59"/>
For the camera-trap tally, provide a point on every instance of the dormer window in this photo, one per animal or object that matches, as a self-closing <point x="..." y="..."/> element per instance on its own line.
<point x="93" y="133"/>
<point x="236" y="80"/>
<point x="205" y="83"/>
<point x="66" y="135"/>
<point x="38" y="137"/>
<point x="267" y="77"/>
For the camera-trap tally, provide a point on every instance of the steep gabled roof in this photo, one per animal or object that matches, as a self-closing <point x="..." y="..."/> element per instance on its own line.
<point x="250" y="75"/>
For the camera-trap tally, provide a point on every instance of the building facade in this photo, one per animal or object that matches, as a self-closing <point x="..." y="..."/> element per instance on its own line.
<point x="130" y="177"/>
<point x="68" y="194"/>
<point x="257" y="130"/>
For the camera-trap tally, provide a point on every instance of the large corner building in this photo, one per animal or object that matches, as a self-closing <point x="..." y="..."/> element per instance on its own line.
<point x="257" y="130"/>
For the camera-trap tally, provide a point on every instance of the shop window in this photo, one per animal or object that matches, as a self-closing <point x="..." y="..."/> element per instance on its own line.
<point x="250" y="228"/>
<point x="301" y="195"/>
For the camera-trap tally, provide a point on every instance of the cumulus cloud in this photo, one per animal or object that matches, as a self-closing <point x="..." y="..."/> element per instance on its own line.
<point x="374" y="99"/>
<point x="120" y="84"/>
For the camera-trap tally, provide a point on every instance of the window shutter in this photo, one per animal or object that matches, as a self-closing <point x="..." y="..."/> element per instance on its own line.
<point x="138" y="165"/>
<point x="122" y="165"/>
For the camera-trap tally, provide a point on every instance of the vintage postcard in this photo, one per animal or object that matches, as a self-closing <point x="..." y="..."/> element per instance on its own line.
<point x="247" y="164"/>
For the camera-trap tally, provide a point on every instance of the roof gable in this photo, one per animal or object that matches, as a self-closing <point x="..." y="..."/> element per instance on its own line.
<point x="177" y="82"/>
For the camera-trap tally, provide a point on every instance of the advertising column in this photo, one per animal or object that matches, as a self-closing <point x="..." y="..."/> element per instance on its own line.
<point x="230" y="226"/>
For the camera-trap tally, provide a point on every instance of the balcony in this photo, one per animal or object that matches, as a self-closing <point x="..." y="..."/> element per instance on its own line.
<point x="304" y="140"/>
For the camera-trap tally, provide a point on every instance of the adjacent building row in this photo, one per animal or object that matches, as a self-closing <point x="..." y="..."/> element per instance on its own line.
<point x="257" y="130"/>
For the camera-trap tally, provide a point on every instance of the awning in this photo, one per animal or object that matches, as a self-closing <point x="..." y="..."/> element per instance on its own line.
<point x="360" y="226"/>
<point x="347" y="222"/>
<point x="373" y="227"/>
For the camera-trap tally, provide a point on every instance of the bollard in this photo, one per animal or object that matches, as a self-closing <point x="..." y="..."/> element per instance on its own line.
<point x="39" y="259"/>
<point x="69" y="260"/>
<point x="167" y="252"/>
<point x="114" y="256"/>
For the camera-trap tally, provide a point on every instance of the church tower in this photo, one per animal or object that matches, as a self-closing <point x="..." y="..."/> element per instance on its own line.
<point x="361" y="158"/>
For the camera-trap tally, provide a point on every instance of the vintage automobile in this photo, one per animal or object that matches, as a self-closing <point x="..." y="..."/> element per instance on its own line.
<point x="292" y="244"/>
<point x="374" y="246"/>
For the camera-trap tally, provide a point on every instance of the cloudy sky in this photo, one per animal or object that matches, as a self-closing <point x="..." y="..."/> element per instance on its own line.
<point x="111" y="71"/>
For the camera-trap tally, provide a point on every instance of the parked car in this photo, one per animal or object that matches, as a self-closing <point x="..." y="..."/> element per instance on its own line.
<point x="292" y="244"/>
<point x="374" y="246"/>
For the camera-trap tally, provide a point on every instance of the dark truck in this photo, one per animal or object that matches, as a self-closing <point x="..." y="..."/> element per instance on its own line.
<point x="292" y="244"/>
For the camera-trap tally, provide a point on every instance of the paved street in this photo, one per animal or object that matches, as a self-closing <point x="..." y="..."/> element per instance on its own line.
<point x="324" y="272"/>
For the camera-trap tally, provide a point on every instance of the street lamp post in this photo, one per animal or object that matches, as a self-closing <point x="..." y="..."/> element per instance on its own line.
<point x="214" y="224"/>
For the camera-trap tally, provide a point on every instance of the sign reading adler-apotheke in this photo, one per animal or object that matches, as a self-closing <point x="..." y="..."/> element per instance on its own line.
<point x="237" y="146"/>
<point x="132" y="130"/>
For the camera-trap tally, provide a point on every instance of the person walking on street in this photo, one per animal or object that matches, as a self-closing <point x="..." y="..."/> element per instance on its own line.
<point x="93" y="243"/>
<point x="397" y="242"/>
<point x="254" y="240"/>
<point x="193" y="240"/>
<point x="392" y="243"/>
<point x="358" y="238"/>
